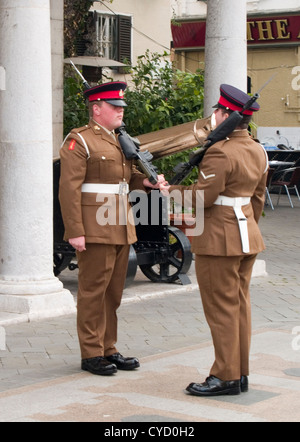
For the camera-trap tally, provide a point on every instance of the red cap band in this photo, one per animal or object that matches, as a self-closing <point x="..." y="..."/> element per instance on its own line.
<point x="233" y="107"/>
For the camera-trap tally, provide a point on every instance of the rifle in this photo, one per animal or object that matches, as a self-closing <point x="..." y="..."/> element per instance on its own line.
<point x="182" y="170"/>
<point x="130" y="146"/>
<point x="131" y="150"/>
<point x="85" y="83"/>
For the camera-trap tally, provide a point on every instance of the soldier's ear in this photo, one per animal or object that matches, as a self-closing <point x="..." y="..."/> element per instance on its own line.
<point x="96" y="109"/>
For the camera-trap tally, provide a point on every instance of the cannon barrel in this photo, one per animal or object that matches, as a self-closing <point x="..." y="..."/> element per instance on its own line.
<point x="176" y="139"/>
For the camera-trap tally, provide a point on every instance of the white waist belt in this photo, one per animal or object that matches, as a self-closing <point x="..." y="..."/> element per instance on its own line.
<point x="114" y="189"/>
<point x="237" y="204"/>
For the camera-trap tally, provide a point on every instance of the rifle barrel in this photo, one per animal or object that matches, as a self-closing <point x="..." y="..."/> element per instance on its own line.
<point x="85" y="83"/>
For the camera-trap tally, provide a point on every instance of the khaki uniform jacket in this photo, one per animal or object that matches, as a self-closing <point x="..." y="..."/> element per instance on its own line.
<point x="236" y="167"/>
<point x="106" y="165"/>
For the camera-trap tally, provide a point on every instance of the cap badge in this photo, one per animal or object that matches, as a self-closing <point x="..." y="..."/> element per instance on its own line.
<point x="121" y="93"/>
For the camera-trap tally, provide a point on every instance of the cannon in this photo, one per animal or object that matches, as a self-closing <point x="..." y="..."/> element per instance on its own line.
<point x="162" y="252"/>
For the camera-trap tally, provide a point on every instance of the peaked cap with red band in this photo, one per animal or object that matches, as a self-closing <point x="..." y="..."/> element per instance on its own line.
<point x="234" y="99"/>
<point x="112" y="93"/>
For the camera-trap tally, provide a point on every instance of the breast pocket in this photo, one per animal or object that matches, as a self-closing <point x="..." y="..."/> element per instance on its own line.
<point x="103" y="168"/>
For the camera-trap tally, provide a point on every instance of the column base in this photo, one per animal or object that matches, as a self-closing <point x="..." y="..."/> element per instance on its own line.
<point x="259" y="268"/>
<point x="34" y="300"/>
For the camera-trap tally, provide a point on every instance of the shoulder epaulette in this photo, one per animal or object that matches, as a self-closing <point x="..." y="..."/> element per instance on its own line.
<point x="77" y="132"/>
<point x="79" y="129"/>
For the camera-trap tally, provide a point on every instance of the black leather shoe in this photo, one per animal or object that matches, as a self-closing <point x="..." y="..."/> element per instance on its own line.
<point x="215" y="387"/>
<point x="123" y="363"/>
<point x="244" y="384"/>
<point x="99" y="366"/>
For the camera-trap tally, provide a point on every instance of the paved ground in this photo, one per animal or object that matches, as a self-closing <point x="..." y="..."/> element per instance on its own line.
<point x="41" y="381"/>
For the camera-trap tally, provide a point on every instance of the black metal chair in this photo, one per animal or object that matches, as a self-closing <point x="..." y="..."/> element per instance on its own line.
<point x="268" y="185"/>
<point x="289" y="180"/>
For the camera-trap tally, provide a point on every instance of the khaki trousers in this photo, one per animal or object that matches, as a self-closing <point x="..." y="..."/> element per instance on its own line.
<point x="101" y="279"/>
<point x="224" y="287"/>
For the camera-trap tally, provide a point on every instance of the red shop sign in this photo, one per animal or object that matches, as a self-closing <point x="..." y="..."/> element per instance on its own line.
<point x="260" y="31"/>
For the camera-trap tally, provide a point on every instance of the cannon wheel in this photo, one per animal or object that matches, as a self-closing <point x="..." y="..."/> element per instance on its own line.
<point x="177" y="262"/>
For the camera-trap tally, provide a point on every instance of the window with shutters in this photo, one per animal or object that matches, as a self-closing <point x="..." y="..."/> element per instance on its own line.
<point x="107" y="36"/>
<point x="124" y="39"/>
<point x="113" y="36"/>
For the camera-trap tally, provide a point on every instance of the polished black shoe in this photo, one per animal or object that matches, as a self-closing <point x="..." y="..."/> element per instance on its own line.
<point x="244" y="384"/>
<point x="99" y="366"/>
<point x="123" y="363"/>
<point x="215" y="387"/>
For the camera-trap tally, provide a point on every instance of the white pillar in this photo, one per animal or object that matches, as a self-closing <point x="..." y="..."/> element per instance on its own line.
<point x="27" y="283"/>
<point x="225" y="48"/>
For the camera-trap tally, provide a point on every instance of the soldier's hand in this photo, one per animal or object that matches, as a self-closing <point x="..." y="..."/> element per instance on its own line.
<point x="160" y="180"/>
<point x="78" y="243"/>
<point x="164" y="188"/>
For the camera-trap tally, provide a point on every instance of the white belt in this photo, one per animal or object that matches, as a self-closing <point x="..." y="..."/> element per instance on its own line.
<point x="237" y="204"/>
<point x="114" y="189"/>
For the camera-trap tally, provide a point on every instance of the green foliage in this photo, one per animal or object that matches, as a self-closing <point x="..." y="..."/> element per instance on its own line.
<point x="75" y="109"/>
<point x="161" y="98"/>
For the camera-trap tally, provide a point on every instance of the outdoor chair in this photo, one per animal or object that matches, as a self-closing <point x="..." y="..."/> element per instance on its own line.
<point x="268" y="185"/>
<point x="288" y="183"/>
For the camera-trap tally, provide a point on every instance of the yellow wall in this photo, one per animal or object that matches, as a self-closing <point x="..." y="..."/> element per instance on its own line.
<point x="280" y="103"/>
<point x="263" y="63"/>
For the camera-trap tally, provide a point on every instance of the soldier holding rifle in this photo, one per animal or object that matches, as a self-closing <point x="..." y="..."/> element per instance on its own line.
<point x="233" y="175"/>
<point x="96" y="177"/>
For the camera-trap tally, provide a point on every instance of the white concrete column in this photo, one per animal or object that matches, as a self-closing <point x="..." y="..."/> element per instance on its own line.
<point x="225" y="48"/>
<point x="27" y="283"/>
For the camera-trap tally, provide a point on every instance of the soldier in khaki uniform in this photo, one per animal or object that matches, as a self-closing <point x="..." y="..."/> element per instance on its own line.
<point x="233" y="177"/>
<point x="94" y="185"/>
